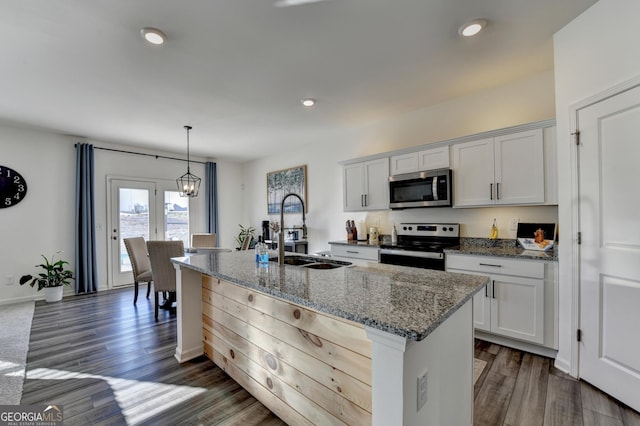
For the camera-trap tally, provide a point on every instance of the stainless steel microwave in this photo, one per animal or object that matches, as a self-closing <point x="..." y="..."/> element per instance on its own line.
<point x="431" y="188"/>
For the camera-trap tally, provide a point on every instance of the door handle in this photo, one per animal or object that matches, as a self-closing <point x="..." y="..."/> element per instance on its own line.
<point x="491" y="191"/>
<point x="493" y="289"/>
<point x="498" y="191"/>
<point x="361" y="200"/>
<point x="486" y="290"/>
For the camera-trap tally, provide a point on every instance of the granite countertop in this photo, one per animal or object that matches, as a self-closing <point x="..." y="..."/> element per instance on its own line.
<point x="404" y="301"/>
<point x="500" y="248"/>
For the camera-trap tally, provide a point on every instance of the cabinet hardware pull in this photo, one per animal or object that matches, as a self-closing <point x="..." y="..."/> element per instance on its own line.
<point x="498" y="191"/>
<point x="491" y="191"/>
<point x="493" y="289"/>
<point x="361" y="200"/>
<point x="490" y="264"/>
<point x="354" y="252"/>
<point x="365" y="200"/>
<point x="486" y="290"/>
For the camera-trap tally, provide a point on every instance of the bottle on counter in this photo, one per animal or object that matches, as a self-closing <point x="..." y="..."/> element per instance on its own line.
<point x="394" y="235"/>
<point x="262" y="253"/>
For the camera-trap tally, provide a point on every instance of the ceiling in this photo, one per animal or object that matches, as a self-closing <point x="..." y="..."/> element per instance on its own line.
<point x="236" y="70"/>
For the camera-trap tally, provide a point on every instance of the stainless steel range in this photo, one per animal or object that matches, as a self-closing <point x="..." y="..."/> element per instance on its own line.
<point x="421" y="245"/>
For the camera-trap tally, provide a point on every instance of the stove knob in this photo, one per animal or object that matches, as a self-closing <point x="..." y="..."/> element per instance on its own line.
<point x="411" y="228"/>
<point x="451" y="228"/>
<point x="444" y="228"/>
<point x="404" y="228"/>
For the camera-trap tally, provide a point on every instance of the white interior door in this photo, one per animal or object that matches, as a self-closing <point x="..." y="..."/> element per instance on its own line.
<point x="609" y="206"/>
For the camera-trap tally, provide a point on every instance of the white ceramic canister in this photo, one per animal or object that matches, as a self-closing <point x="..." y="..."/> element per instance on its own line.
<point x="373" y="235"/>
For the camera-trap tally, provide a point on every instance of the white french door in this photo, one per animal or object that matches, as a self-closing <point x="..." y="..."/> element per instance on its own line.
<point x="609" y="203"/>
<point x="151" y="209"/>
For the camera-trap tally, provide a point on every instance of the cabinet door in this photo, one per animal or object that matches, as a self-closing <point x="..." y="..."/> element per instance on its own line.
<point x="517" y="307"/>
<point x="519" y="168"/>
<point x="377" y="184"/>
<point x="473" y="173"/>
<point x="482" y="311"/>
<point x="353" y="195"/>
<point x="435" y="158"/>
<point x="405" y="163"/>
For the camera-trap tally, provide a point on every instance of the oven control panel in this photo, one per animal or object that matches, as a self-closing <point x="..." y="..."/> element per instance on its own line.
<point x="430" y="229"/>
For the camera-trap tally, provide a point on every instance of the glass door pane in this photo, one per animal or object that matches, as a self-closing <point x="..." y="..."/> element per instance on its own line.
<point x="133" y="220"/>
<point x="176" y="217"/>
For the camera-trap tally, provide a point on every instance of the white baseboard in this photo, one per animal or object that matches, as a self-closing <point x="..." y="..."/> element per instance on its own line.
<point x="189" y="354"/>
<point x="563" y="365"/>
<point x="37" y="296"/>
<point x="516" y="344"/>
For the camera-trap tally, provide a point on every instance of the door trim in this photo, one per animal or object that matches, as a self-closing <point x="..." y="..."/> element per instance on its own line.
<point x="574" y="249"/>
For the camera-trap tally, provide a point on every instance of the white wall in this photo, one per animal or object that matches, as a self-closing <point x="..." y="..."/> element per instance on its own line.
<point x="44" y="221"/>
<point x="594" y="52"/>
<point x="518" y="103"/>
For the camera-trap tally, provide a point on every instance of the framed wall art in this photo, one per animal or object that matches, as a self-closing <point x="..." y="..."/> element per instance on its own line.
<point x="283" y="182"/>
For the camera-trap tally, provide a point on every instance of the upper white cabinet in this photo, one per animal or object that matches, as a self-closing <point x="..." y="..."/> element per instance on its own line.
<point x="366" y="185"/>
<point x="428" y="159"/>
<point x="504" y="170"/>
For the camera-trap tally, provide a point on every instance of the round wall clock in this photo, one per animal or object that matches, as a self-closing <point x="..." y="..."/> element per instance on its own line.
<point x="13" y="187"/>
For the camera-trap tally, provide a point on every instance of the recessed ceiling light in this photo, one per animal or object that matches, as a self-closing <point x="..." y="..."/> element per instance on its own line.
<point x="308" y="102"/>
<point x="472" y="28"/>
<point x="153" y="35"/>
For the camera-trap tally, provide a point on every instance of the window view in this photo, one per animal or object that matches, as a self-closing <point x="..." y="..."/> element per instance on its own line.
<point x="134" y="220"/>
<point x="176" y="217"/>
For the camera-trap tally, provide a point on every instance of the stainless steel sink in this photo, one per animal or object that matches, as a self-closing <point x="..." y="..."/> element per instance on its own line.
<point x="323" y="265"/>
<point x="312" y="262"/>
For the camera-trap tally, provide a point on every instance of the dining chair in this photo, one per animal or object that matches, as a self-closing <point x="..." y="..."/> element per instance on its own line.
<point x="203" y="240"/>
<point x="137" y="251"/>
<point x="163" y="271"/>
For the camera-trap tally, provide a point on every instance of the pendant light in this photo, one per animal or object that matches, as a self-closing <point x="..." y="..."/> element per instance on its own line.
<point x="188" y="183"/>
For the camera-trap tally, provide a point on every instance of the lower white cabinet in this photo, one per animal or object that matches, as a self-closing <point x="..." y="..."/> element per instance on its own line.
<point x="518" y="302"/>
<point x="355" y="251"/>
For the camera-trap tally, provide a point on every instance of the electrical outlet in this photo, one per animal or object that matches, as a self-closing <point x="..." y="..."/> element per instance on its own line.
<point x="514" y="224"/>
<point x="422" y="390"/>
<point x="9" y="279"/>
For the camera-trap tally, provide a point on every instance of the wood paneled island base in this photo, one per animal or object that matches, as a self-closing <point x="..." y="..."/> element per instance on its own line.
<point x="312" y="367"/>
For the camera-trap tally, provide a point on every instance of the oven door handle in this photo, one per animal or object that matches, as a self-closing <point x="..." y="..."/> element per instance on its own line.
<point x="409" y="253"/>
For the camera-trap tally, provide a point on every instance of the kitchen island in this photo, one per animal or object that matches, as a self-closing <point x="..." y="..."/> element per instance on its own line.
<point x="334" y="346"/>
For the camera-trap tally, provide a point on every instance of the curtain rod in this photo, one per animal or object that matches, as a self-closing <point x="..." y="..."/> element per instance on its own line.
<point x="148" y="155"/>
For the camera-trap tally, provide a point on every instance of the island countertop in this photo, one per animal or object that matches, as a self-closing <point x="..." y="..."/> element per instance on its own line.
<point x="407" y="302"/>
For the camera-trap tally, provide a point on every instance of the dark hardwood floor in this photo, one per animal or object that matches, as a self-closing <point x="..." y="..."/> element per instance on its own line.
<point x="109" y="363"/>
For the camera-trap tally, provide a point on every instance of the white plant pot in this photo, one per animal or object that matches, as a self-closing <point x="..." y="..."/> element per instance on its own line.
<point x="52" y="294"/>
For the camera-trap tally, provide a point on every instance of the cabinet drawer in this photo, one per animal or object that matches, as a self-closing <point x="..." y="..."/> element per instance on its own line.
<point x="496" y="265"/>
<point x="358" y="252"/>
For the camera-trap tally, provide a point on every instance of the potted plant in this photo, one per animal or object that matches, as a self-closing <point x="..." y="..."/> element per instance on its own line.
<point x="244" y="238"/>
<point x="53" y="277"/>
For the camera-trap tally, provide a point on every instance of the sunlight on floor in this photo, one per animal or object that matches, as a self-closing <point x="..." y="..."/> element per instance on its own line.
<point x="11" y="369"/>
<point x="138" y="400"/>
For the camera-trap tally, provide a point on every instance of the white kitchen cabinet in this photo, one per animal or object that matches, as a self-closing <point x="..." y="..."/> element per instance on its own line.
<point x="515" y="303"/>
<point x="427" y="159"/>
<point x="355" y="251"/>
<point x="366" y="185"/>
<point x="504" y="170"/>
